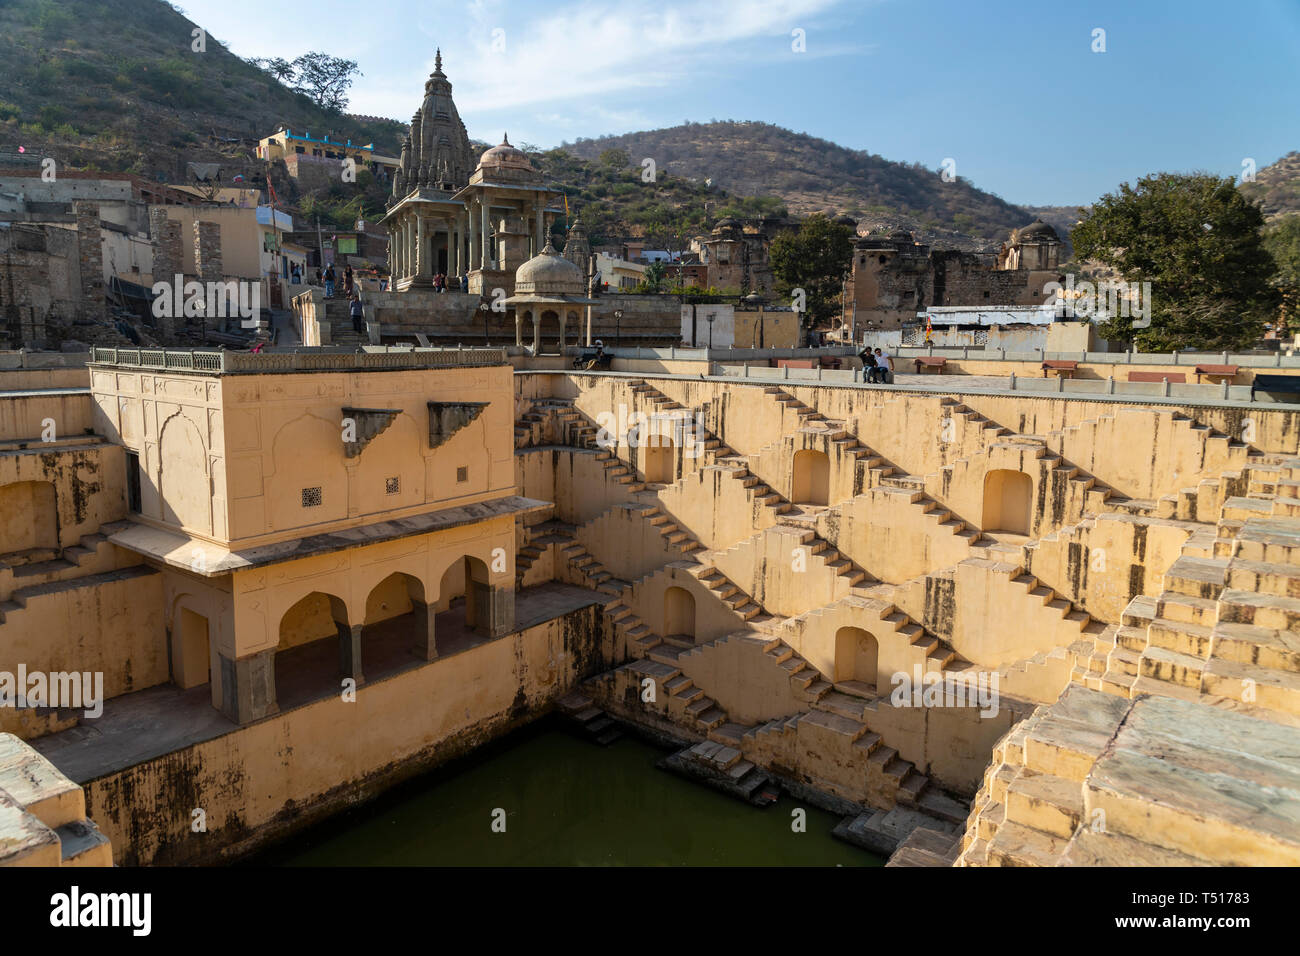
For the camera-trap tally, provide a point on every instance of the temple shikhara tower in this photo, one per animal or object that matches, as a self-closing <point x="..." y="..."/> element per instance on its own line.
<point x="449" y="215"/>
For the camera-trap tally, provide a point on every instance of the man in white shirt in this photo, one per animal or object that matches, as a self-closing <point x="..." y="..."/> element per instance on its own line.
<point x="886" y="366"/>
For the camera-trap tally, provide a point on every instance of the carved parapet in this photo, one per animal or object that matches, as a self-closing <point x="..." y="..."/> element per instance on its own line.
<point x="447" y="418"/>
<point x="369" y="424"/>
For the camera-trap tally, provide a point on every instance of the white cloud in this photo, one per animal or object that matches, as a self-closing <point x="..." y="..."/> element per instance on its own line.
<point x="556" y="54"/>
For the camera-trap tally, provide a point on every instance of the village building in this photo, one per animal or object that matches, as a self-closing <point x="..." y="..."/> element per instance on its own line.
<point x="320" y="162"/>
<point x="893" y="277"/>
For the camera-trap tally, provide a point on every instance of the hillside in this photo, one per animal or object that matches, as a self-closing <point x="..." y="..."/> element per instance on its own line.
<point x="1277" y="186"/>
<point x="814" y="175"/>
<point x="114" y="85"/>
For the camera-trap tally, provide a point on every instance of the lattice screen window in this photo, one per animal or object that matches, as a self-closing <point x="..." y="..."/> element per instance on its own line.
<point x="311" y="497"/>
<point x="462" y="473"/>
<point x="392" y="486"/>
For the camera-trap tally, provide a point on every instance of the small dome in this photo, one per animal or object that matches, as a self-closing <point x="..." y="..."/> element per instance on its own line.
<point x="901" y="234"/>
<point x="548" y="273"/>
<point x="1037" y="230"/>
<point x="505" y="155"/>
<point x="725" y="225"/>
<point x="845" y="221"/>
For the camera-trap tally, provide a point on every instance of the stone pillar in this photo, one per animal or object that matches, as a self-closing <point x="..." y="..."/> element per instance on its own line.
<point x="422" y="255"/>
<point x="562" y="319"/>
<point x="519" y="326"/>
<point x="394" y="253"/>
<point x="207" y="260"/>
<point x="350" y="652"/>
<point x="426" y="648"/>
<point x="453" y="253"/>
<point x="483" y="229"/>
<point x="473" y="236"/>
<point x="501" y="610"/>
<point x="165" y="237"/>
<point x="588" y="342"/>
<point x="248" y="687"/>
<point x="90" y="254"/>
<point x="537" y="332"/>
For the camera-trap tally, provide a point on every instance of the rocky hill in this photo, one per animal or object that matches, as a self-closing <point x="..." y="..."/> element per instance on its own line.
<point x="117" y="85"/>
<point x="813" y="175"/>
<point x="1277" y="186"/>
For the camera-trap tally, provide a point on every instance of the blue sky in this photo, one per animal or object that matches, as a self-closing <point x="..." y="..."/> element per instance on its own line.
<point x="1011" y="92"/>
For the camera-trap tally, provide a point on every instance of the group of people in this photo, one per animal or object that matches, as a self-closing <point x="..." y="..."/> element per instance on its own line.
<point x="443" y="282"/>
<point x="329" y="277"/>
<point x="879" y="366"/>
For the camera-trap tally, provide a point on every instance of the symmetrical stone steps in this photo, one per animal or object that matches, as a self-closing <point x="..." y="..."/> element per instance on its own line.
<point x="711" y="447"/>
<point x="20" y="598"/>
<point x="1184" y="503"/>
<point x="729" y="593"/>
<point x="92" y="554"/>
<point x="1042" y="610"/>
<point x="1097" y="780"/>
<point x="674" y="535"/>
<point x="828" y="557"/>
<point x="1226" y="624"/>
<point x="885" y="618"/>
<point x="537" y="538"/>
<point x="594" y="574"/>
<point x="685" y="702"/>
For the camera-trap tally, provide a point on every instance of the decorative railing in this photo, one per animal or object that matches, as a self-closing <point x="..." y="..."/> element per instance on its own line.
<point x="304" y="360"/>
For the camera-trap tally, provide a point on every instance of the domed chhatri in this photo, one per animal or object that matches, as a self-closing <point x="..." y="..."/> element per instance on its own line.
<point x="506" y="156"/>
<point x="549" y="274"/>
<point x="1038" y="230"/>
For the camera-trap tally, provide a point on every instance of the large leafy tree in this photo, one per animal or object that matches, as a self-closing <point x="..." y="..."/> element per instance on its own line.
<point x="815" y="259"/>
<point x="1198" y="241"/>
<point x="1282" y="239"/>
<point x="322" y="78"/>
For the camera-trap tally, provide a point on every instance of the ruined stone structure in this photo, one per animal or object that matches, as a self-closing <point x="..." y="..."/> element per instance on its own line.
<point x="736" y="253"/>
<point x="893" y="277"/>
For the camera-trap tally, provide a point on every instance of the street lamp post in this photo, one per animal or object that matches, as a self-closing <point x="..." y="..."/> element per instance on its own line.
<point x="487" y="314"/>
<point x="618" y="318"/>
<point x="710" y="317"/>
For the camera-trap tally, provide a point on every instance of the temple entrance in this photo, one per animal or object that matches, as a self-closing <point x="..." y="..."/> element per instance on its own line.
<point x="811" y="484"/>
<point x="856" y="656"/>
<point x="679" y="614"/>
<point x="1008" y="496"/>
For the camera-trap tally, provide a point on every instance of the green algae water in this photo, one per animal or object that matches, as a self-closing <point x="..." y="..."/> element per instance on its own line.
<point x="567" y="802"/>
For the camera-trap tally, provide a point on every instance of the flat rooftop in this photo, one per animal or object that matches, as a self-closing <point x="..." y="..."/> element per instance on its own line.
<point x="225" y="362"/>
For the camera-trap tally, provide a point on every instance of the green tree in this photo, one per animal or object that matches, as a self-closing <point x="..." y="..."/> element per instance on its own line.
<point x="616" y="158"/>
<point x="654" y="276"/>
<point x="1282" y="240"/>
<point x="1198" y="241"/>
<point x="815" y="259"/>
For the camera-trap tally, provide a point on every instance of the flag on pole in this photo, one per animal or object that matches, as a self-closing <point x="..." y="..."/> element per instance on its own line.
<point x="929" y="331"/>
<point x="566" y="207"/>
